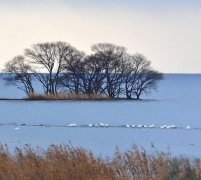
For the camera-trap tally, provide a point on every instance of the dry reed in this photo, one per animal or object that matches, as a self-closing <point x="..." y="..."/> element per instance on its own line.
<point x="65" y="96"/>
<point x="67" y="162"/>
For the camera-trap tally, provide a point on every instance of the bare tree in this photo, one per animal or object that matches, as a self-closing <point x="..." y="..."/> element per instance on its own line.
<point x="70" y="80"/>
<point x="111" y="57"/>
<point x="139" y="77"/>
<point x="146" y="82"/>
<point x="52" y="57"/>
<point x="58" y="66"/>
<point x="93" y="76"/>
<point x="19" y="74"/>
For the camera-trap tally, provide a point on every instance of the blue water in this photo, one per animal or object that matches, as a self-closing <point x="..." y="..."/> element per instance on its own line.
<point x="177" y="101"/>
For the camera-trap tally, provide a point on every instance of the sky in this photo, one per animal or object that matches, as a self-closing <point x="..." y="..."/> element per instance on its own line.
<point x="168" y="32"/>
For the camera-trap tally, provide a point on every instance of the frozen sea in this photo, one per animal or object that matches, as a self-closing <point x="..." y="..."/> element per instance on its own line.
<point x="176" y="102"/>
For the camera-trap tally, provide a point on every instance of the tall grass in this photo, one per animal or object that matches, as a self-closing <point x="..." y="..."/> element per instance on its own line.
<point x="65" y="96"/>
<point x="67" y="162"/>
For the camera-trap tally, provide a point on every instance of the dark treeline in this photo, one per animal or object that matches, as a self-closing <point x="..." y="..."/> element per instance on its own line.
<point x="109" y="71"/>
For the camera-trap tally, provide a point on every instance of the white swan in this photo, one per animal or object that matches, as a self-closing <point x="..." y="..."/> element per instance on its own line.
<point x="139" y="126"/>
<point x="151" y="126"/>
<point x="90" y="125"/>
<point x="106" y="125"/>
<point x="163" y="126"/>
<point x="72" y="125"/>
<point x="96" y="125"/>
<point x="188" y="127"/>
<point x="101" y="124"/>
<point x="17" y="128"/>
<point x="173" y="126"/>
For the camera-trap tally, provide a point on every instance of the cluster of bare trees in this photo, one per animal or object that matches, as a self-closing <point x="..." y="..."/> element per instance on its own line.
<point x="59" y="67"/>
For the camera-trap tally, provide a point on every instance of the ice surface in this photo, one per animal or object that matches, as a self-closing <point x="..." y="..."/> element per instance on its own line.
<point x="177" y="102"/>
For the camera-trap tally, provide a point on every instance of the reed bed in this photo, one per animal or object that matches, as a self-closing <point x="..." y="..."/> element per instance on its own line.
<point x="65" y="96"/>
<point x="67" y="162"/>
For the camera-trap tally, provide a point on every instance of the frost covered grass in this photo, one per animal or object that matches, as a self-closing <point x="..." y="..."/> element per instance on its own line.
<point x="67" y="162"/>
<point x="65" y="96"/>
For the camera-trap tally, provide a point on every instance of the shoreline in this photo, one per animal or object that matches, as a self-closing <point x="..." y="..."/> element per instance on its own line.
<point x="70" y="99"/>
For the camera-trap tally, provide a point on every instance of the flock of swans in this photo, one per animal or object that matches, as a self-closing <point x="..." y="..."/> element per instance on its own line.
<point x="171" y="126"/>
<point x="106" y="125"/>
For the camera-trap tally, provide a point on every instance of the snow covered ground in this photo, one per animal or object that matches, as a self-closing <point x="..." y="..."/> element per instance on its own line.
<point x="177" y="102"/>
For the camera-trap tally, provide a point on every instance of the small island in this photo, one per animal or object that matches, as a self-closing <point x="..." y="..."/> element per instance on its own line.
<point x="64" y="72"/>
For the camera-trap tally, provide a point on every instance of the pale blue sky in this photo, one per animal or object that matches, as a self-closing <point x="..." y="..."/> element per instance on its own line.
<point x="128" y="3"/>
<point x="168" y="32"/>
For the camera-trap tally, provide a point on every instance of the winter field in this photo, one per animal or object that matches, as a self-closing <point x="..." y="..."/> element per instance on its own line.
<point x="169" y="118"/>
